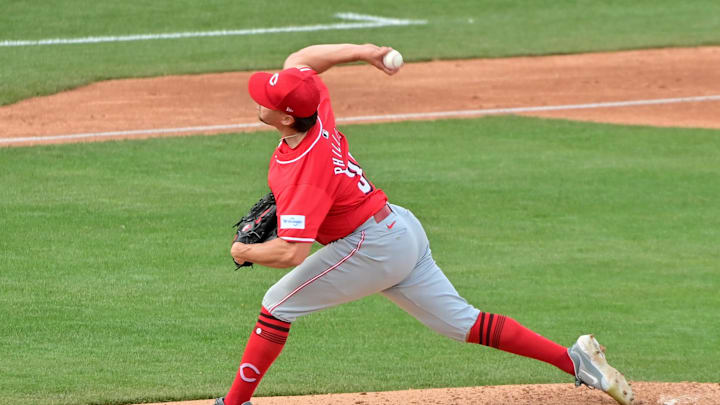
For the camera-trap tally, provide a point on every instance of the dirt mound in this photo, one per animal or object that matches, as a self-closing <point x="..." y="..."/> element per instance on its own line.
<point x="646" y="393"/>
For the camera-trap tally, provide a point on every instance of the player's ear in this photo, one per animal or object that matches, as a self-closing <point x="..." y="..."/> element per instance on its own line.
<point x="287" y="120"/>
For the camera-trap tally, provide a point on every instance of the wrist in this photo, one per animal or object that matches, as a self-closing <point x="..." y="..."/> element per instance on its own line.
<point x="365" y="52"/>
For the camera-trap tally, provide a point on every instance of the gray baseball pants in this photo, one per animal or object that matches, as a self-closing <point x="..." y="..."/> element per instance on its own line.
<point x="392" y="258"/>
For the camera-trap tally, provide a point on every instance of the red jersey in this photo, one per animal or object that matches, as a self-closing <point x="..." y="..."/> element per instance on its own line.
<point x="322" y="194"/>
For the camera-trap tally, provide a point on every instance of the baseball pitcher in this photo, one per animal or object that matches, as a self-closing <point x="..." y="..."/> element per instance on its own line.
<point x="371" y="246"/>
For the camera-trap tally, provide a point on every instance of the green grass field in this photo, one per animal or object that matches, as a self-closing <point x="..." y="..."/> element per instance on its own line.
<point x="117" y="286"/>
<point x="455" y="29"/>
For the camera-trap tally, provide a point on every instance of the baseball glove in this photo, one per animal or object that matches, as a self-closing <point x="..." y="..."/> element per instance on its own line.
<point x="258" y="225"/>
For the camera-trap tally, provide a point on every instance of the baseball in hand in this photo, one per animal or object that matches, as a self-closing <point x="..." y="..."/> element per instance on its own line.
<point x="393" y="60"/>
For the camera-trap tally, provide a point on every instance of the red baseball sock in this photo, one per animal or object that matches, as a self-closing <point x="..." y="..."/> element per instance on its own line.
<point x="266" y="342"/>
<point x="504" y="333"/>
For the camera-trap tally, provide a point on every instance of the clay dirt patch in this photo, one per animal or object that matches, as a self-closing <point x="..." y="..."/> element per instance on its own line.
<point x="361" y="90"/>
<point x="646" y="393"/>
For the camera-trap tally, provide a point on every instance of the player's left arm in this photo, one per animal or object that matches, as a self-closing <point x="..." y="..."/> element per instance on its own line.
<point x="277" y="253"/>
<point x="322" y="57"/>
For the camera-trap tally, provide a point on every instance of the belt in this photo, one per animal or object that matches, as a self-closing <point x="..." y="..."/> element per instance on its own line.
<point x="382" y="213"/>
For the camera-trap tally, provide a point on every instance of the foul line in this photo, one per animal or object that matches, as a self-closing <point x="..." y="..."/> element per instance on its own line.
<point x="133" y="132"/>
<point x="374" y="118"/>
<point x="516" y="110"/>
<point x="364" y="21"/>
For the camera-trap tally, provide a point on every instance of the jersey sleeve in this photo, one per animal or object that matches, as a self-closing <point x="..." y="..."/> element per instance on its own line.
<point x="301" y="209"/>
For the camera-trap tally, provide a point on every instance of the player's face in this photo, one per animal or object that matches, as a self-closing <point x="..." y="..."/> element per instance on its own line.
<point x="268" y="116"/>
<point x="271" y="117"/>
<point x="264" y="114"/>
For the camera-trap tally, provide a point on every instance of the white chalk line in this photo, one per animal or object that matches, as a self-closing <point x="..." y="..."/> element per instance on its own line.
<point x="198" y="129"/>
<point x="518" y="110"/>
<point x="365" y="21"/>
<point x="375" y="118"/>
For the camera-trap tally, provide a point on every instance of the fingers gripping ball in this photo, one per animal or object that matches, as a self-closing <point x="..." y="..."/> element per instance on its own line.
<point x="393" y="60"/>
<point x="258" y="225"/>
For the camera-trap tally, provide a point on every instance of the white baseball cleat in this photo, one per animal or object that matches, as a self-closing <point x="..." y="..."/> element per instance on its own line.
<point x="593" y="370"/>
<point x="221" y="401"/>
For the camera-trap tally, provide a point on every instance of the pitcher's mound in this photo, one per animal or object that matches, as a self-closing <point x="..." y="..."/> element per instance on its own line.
<point x="646" y="393"/>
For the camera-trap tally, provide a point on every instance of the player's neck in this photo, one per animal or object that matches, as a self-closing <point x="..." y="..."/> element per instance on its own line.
<point x="292" y="139"/>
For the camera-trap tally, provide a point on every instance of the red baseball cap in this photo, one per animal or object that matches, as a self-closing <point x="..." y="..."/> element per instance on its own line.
<point x="292" y="91"/>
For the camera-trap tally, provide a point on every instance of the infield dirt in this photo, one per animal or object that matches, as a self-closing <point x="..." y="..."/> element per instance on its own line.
<point x="221" y="99"/>
<point x="360" y="90"/>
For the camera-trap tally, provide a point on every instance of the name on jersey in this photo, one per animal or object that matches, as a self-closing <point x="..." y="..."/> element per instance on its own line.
<point x="337" y="160"/>
<point x="292" y="221"/>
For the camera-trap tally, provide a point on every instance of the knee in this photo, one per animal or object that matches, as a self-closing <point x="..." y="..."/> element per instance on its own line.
<point x="275" y="307"/>
<point x="274" y="314"/>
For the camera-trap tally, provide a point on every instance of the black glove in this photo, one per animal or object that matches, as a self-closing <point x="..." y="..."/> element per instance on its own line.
<point x="258" y="225"/>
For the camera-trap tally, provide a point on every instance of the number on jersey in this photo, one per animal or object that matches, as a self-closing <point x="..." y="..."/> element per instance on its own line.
<point x="355" y="170"/>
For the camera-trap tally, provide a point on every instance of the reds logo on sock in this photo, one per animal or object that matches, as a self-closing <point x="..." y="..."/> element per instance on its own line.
<point x="251" y="367"/>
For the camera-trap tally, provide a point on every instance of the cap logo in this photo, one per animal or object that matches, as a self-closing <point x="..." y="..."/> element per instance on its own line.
<point x="288" y="109"/>
<point x="274" y="79"/>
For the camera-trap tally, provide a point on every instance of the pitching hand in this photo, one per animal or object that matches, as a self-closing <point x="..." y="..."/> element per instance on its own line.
<point x="374" y="54"/>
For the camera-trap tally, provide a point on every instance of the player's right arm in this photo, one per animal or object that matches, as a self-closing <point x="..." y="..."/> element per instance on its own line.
<point x="277" y="253"/>
<point x="322" y="57"/>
